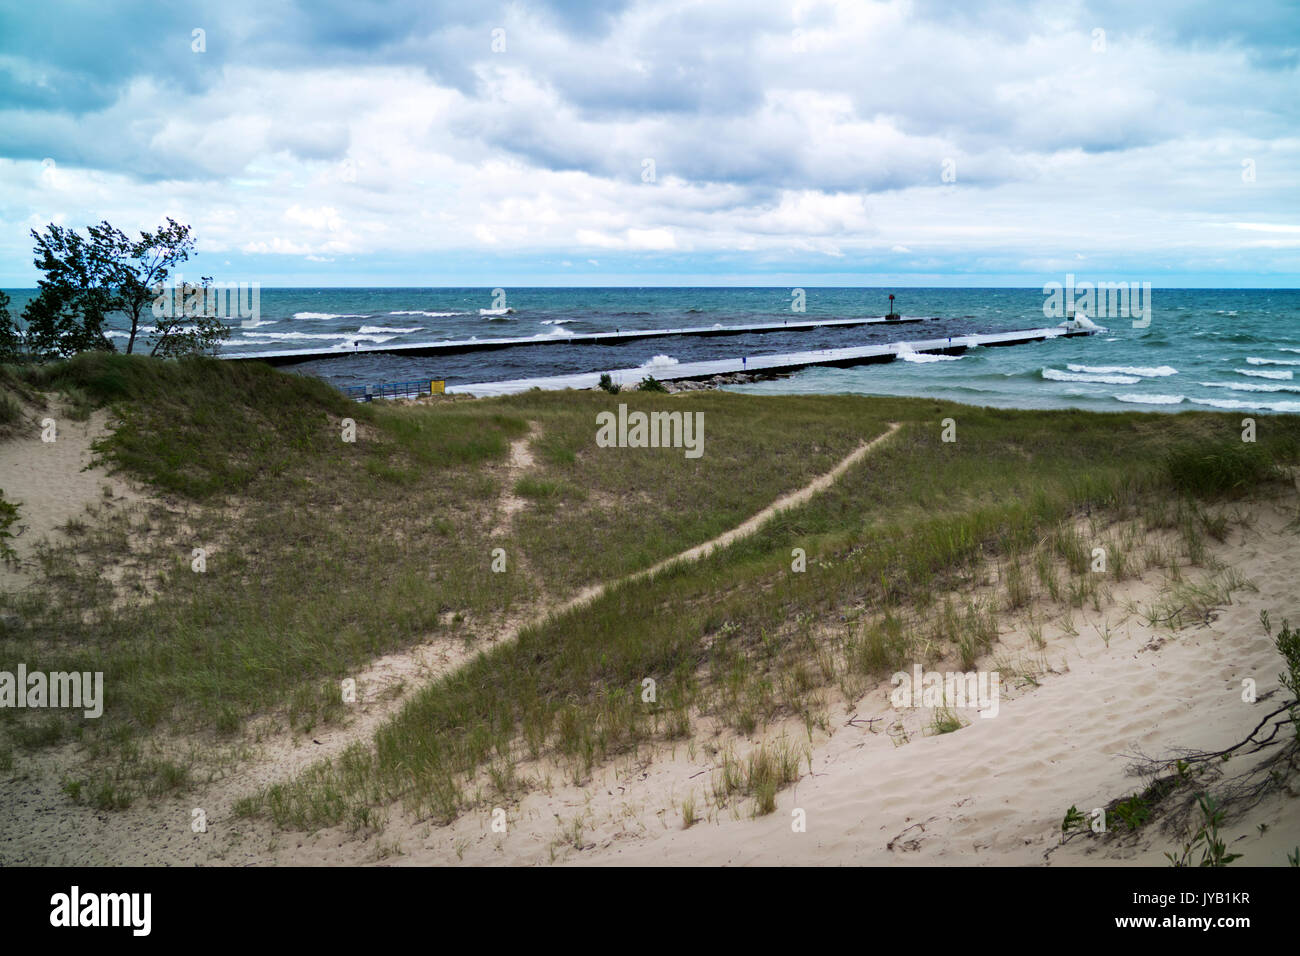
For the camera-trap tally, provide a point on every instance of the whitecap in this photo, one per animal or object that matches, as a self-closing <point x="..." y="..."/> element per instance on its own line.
<point x="341" y="337"/>
<point x="436" y="315"/>
<point x="1159" y="371"/>
<point x="1264" y="373"/>
<point x="1231" y="404"/>
<point x="1080" y="322"/>
<point x="908" y="354"/>
<point x="1055" y="375"/>
<point x="923" y="357"/>
<point x="1150" y="399"/>
<point x="1252" y="387"/>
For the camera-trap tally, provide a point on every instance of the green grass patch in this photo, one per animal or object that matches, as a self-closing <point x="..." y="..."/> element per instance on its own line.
<point x="1223" y="468"/>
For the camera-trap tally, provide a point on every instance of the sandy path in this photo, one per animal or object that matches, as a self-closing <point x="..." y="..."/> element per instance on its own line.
<point x="791" y="500"/>
<point x="746" y="528"/>
<point x="518" y="462"/>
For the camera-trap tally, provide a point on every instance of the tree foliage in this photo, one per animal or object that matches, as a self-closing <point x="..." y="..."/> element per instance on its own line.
<point x="106" y="272"/>
<point x="12" y="337"/>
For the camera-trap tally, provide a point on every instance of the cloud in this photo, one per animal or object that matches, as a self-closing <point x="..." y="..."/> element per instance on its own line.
<point x="385" y="130"/>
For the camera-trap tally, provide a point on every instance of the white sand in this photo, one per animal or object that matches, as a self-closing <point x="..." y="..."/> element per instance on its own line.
<point x="53" y="482"/>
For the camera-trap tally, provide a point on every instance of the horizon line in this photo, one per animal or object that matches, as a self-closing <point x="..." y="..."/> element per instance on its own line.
<point x="805" y="285"/>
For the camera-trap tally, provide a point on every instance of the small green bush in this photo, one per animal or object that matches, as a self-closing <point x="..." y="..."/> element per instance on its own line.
<point x="8" y="515"/>
<point x="11" y="410"/>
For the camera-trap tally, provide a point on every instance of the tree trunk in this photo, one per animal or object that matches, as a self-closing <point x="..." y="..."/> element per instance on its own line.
<point x="135" y="324"/>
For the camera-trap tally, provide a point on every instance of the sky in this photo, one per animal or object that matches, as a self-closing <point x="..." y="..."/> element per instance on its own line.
<point x="732" y="142"/>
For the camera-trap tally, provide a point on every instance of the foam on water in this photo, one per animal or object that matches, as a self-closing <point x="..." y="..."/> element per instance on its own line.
<point x="1150" y="399"/>
<point x="1263" y="373"/>
<point x="1141" y="372"/>
<point x="1055" y="375"/>
<point x="1251" y="387"/>
<point x="1233" y="404"/>
<point x="923" y="358"/>
<point x="316" y="336"/>
<point x="433" y="315"/>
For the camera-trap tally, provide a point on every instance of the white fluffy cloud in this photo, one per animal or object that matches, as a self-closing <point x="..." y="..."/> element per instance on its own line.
<point x="859" y="138"/>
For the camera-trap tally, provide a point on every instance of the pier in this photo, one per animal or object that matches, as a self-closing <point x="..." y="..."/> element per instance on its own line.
<point x="295" y="356"/>
<point x="771" y="364"/>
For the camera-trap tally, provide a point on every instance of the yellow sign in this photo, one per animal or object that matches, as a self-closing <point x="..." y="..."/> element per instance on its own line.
<point x="437" y="388"/>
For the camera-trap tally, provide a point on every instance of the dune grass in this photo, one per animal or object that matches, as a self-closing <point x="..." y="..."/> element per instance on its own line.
<point x="323" y="554"/>
<point x="731" y="638"/>
<point x="1226" y="468"/>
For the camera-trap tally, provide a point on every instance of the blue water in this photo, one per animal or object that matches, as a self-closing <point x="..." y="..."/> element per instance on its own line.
<point x="1211" y="349"/>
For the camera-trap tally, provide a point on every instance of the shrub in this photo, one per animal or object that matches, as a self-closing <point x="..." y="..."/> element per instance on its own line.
<point x="8" y="515"/>
<point x="11" y="410"/>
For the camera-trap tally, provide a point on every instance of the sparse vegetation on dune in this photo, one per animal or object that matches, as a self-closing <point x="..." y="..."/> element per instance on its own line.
<point x="1194" y="793"/>
<point x="731" y="640"/>
<point x="325" y="554"/>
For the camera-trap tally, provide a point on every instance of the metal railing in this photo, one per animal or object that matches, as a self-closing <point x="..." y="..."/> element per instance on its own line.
<point x="416" y="389"/>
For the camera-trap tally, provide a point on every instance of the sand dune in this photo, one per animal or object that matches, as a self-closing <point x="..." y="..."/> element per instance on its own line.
<point x="881" y="790"/>
<point x="992" y="793"/>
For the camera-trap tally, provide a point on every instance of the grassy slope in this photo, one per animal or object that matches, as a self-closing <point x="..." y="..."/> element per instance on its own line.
<point x="324" y="554"/>
<point x="733" y="638"/>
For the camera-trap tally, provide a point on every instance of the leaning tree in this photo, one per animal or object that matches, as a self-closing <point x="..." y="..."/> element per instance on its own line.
<point x="88" y="278"/>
